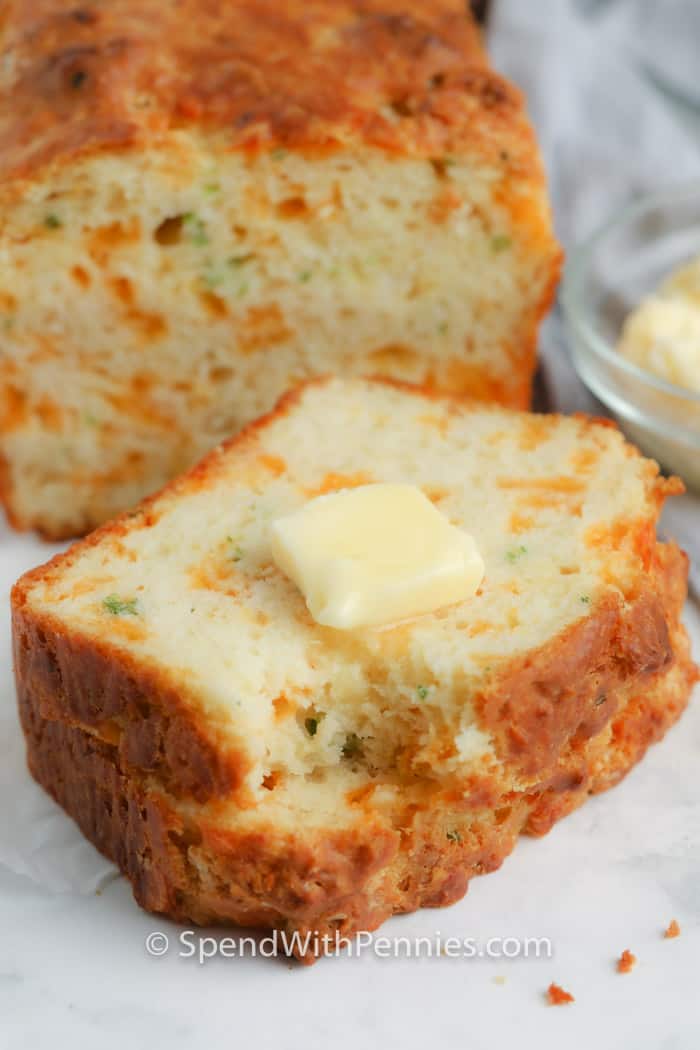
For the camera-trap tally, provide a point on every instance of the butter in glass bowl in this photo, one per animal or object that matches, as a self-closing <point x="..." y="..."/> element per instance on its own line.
<point x="631" y="302"/>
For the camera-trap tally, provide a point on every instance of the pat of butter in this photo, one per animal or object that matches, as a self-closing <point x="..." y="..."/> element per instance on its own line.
<point x="663" y="337"/>
<point x="663" y="334"/>
<point x="373" y="555"/>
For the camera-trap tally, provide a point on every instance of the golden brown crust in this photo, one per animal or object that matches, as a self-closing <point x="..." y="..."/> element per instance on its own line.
<point x="328" y="881"/>
<point x="406" y="76"/>
<point x="87" y="683"/>
<point x="154" y="847"/>
<point x="589" y="768"/>
<point x="569" y="686"/>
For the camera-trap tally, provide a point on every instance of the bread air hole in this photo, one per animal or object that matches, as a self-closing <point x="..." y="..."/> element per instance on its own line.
<point x="170" y="231"/>
<point x="271" y="780"/>
<point x="402" y="107"/>
<point x="440" y="166"/>
<point x="189" y="836"/>
<point x="353" y="748"/>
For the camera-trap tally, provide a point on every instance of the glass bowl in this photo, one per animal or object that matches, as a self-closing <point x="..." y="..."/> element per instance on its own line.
<point x="605" y="279"/>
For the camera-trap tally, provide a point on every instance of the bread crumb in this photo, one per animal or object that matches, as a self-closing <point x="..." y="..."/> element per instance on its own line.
<point x="626" y="962"/>
<point x="672" y="930"/>
<point x="556" y="996"/>
<point x="499" y="980"/>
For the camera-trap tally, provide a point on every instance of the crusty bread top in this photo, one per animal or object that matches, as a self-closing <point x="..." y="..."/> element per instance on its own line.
<point x="563" y="512"/>
<point x="404" y="75"/>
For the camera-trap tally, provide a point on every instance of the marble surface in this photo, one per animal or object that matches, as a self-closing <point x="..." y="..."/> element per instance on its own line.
<point x="75" y="972"/>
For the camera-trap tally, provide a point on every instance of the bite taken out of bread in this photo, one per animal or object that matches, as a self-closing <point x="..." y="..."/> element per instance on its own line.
<point x="242" y="763"/>
<point x="194" y="219"/>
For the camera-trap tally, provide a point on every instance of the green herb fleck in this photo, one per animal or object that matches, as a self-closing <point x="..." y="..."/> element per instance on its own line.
<point x="585" y="598"/>
<point x="237" y="551"/>
<point x="311" y="725"/>
<point x="90" y="420"/>
<point x="443" y="328"/>
<point x="196" y="228"/>
<point x="212" y="279"/>
<point x="305" y="276"/>
<point x="78" y="79"/>
<point x="278" y="154"/>
<point x="501" y="242"/>
<point x="352" y="748"/>
<point x="52" y="222"/>
<point x="212" y="187"/>
<point x="119" y="606"/>
<point x="515" y="554"/>
<point x="454" y="836"/>
<point x="422" y="691"/>
<point x="239" y="260"/>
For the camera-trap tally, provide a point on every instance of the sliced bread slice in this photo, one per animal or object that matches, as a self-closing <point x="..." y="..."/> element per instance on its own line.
<point x="242" y="763"/>
<point x="172" y="634"/>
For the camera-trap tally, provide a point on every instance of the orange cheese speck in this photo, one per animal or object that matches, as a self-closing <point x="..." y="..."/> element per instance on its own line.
<point x="334" y="482"/>
<point x="557" y="996"/>
<point x="584" y="460"/>
<point x="283" y="707"/>
<point x="626" y="962"/>
<point x="535" y="431"/>
<point x="520" y="523"/>
<point x="560" y="483"/>
<point x="275" y="464"/>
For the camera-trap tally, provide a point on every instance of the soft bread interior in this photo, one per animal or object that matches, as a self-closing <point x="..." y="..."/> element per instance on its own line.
<point x="562" y="511"/>
<point x="152" y="303"/>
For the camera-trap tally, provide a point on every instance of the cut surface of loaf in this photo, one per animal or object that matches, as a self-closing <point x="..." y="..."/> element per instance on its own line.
<point x="167" y="662"/>
<point x="192" y="222"/>
<point x="173" y="631"/>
